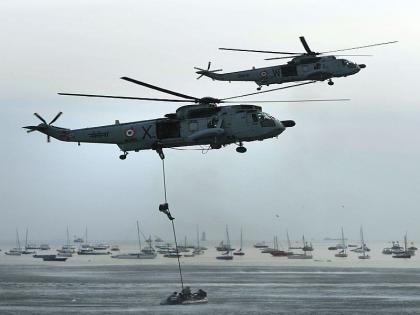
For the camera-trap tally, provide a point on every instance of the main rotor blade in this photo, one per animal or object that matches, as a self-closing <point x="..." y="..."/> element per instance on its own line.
<point x="378" y="44"/>
<point x="276" y="89"/>
<point x="40" y="118"/>
<point x="261" y="51"/>
<point x="293" y="101"/>
<point x="55" y="118"/>
<point x="126" y="97"/>
<point x="305" y="45"/>
<point x="150" y="86"/>
<point x="354" y="55"/>
<point x="274" y="58"/>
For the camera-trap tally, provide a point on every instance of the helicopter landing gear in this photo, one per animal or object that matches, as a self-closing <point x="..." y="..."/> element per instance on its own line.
<point x="160" y="152"/>
<point x="215" y="146"/>
<point x="330" y="82"/>
<point x="123" y="156"/>
<point x="241" y="148"/>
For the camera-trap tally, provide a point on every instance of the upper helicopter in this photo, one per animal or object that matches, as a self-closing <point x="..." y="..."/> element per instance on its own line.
<point x="305" y="66"/>
<point x="201" y="123"/>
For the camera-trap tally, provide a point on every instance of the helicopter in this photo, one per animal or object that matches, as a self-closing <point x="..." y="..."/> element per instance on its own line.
<point x="309" y="65"/>
<point x="201" y="123"/>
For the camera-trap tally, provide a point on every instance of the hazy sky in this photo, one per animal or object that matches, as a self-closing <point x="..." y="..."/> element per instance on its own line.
<point x="343" y="164"/>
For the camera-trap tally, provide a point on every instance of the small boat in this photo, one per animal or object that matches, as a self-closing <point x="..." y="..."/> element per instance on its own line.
<point x="223" y="247"/>
<point x="13" y="252"/>
<point x="332" y="248"/>
<point x="115" y="248"/>
<point x="78" y="240"/>
<point x="41" y="255"/>
<point x="342" y="253"/>
<point x="239" y="252"/>
<point x="185" y="297"/>
<point x="53" y="258"/>
<point x="172" y="255"/>
<point x="307" y="247"/>
<point x="261" y="245"/>
<point x="405" y="253"/>
<point x="363" y="246"/>
<point x="101" y="246"/>
<point x="44" y="247"/>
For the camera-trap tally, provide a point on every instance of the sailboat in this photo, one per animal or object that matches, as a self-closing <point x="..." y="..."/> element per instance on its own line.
<point x="239" y="252"/>
<point x="305" y="255"/>
<point x="363" y="246"/>
<point x="405" y="253"/>
<point x="26" y="251"/>
<point x="17" y="251"/>
<point x="141" y="254"/>
<point x="226" y="255"/>
<point x="289" y="244"/>
<point x="276" y="252"/>
<point x="343" y="251"/>
<point x="197" y="250"/>
<point x="66" y="250"/>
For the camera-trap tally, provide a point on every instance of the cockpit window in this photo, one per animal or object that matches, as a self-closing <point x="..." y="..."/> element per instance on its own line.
<point x="266" y="120"/>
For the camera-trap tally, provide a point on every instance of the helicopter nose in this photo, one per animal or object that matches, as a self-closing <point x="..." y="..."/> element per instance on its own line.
<point x="362" y="66"/>
<point x="288" y="123"/>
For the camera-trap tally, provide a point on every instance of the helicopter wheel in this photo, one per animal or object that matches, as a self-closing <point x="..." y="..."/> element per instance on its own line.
<point x="259" y="88"/>
<point x="330" y="82"/>
<point x="123" y="156"/>
<point x="241" y="148"/>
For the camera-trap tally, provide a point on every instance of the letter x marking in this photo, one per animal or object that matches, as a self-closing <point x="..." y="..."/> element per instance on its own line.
<point x="146" y="132"/>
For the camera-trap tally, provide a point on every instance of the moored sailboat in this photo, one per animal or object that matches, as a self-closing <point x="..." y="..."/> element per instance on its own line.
<point x="226" y="255"/>
<point x="239" y="252"/>
<point x="363" y="246"/>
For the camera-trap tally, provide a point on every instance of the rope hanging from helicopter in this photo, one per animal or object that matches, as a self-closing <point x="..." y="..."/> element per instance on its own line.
<point x="165" y="209"/>
<point x="203" y="150"/>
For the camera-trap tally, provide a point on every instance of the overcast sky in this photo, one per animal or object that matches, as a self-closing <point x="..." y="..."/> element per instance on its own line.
<point x="343" y="164"/>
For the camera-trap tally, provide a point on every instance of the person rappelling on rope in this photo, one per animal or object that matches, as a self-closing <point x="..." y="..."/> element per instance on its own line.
<point x="185" y="296"/>
<point x="164" y="207"/>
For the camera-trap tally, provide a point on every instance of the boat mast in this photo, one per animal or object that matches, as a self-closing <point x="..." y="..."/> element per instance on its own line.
<point x="198" y="238"/>
<point x="138" y="236"/>
<point x="241" y="240"/>
<point x="342" y="240"/>
<point x="362" y="240"/>
<point x="68" y="237"/>
<point x="17" y="239"/>
<point x="227" y="239"/>
<point x="26" y="238"/>
<point x="288" y="240"/>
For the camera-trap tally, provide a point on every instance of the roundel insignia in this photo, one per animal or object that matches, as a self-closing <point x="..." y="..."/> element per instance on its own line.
<point x="263" y="73"/>
<point x="130" y="132"/>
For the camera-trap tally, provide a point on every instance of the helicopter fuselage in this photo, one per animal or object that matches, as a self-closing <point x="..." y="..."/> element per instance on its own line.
<point x="301" y="68"/>
<point x="204" y="124"/>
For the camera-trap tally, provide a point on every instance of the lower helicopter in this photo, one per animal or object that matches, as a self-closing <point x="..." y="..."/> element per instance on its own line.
<point x="200" y="123"/>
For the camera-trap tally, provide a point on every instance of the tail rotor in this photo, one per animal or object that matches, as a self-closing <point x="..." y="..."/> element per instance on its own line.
<point x="44" y="125"/>
<point x="203" y="72"/>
